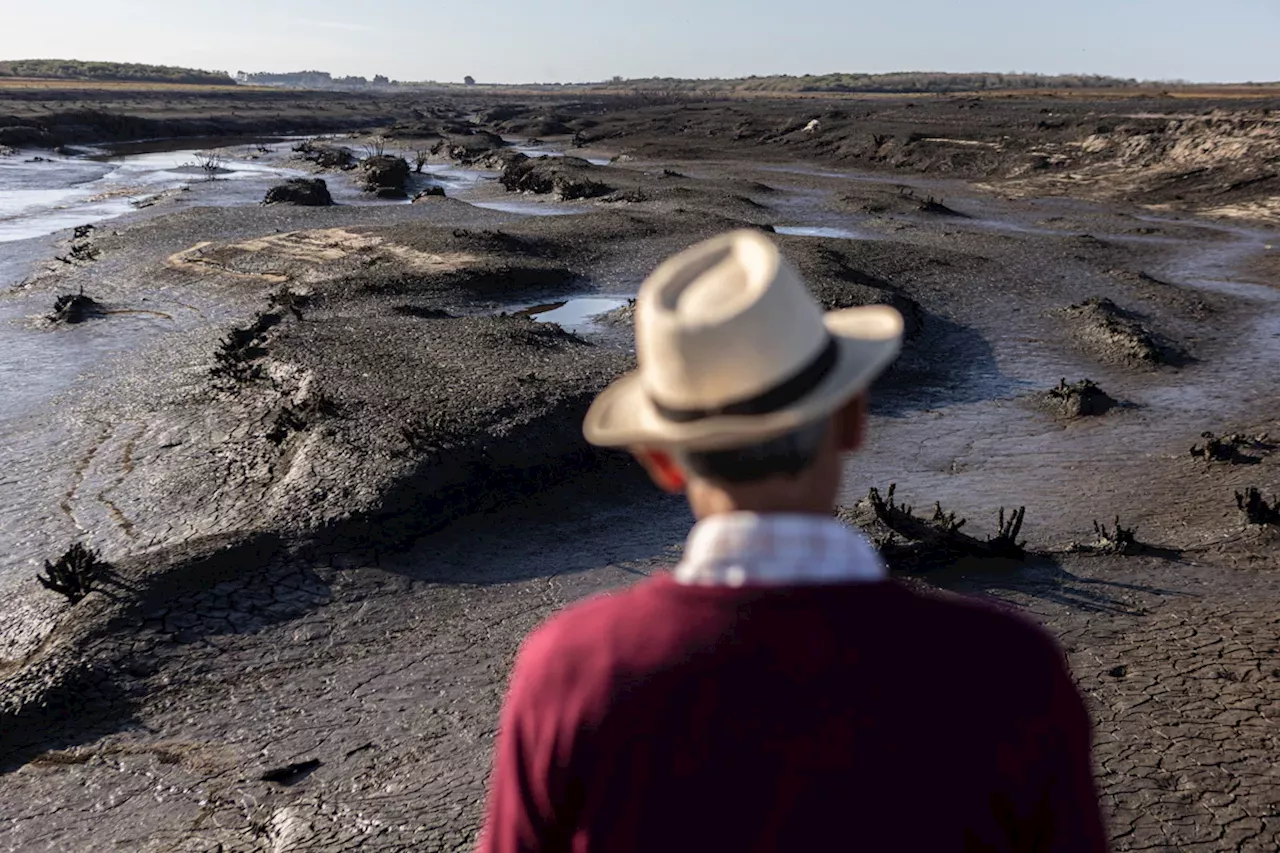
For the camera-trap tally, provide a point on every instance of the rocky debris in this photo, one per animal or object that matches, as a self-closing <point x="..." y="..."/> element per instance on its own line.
<point x="74" y="574"/>
<point x="1256" y="508"/>
<point x="326" y="156"/>
<point x="914" y="543"/>
<point x="1230" y="448"/>
<point x="75" y="308"/>
<point x="307" y="192"/>
<point x="1079" y="399"/>
<point x="385" y="175"/>
<point x="6" y="151"/>
<point x="1115" y="335"/>
<point x="567" y="178"/>
<point x="429" y="193"/>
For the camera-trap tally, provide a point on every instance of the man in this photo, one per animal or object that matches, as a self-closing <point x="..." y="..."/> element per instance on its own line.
<point x="775" y="691"/>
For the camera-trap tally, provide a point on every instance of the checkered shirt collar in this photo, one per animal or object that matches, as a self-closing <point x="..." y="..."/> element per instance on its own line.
<point x="739" y="548"/>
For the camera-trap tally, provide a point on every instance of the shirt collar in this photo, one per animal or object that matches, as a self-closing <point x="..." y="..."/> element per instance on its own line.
<point x="737" y="548"/>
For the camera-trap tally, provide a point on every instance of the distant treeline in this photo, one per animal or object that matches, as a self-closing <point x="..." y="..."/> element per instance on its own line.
<point x="897" y="82"/>
<point x="131" y="72"/>
<point x="313" y="80"/>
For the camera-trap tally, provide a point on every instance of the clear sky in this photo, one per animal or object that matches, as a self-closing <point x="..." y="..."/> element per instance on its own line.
<point x="585" y="40"/>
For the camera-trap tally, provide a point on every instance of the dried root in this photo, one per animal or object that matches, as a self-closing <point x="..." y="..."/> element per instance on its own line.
<point x="1006" y="543"/>
<point x="1121" y="541"/>
<point x="1256" y="508"/>
<point x="940" y="534"/>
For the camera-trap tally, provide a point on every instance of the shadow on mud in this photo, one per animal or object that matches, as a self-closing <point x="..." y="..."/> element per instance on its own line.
<point x="1041" y="577"/>
<point x="946" y="364"/>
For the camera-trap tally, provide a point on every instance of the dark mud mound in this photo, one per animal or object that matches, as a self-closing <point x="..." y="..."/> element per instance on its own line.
<point x="386" y="176"/>
<point x="324" y="155"/>
<point x="723" y="199"/>
<point x="1115" y="335"/>
<point x="567" y="178"/>
<point x="836" y="282"/>
<point x="469" y="148"/>
<point x="1078" y="399"/>
<point x="1193" y="303"/>
<point x="306" y="192"/>
<point x="73" y="308"/>
<point x="429" y="193"/>
<point x="438" y="425"/>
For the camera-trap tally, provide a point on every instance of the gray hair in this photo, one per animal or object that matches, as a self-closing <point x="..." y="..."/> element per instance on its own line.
<point x="786" y="455"/>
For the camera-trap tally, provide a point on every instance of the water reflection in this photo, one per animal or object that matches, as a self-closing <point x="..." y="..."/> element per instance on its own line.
<point x="574" y="314"/>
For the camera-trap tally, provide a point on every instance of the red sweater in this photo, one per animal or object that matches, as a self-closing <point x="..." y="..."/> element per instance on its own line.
<point x="863" y="716"/>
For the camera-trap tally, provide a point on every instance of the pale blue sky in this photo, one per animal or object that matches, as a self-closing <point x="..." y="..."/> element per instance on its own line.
<point x="582" y="40"/>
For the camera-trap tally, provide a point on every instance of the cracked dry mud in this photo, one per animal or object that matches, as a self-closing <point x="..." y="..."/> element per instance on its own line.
<point x="307" y="641"/>
<point x="390" y="675"/>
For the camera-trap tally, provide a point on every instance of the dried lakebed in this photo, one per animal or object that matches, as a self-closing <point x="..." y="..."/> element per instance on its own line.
<point x="336" y="540"/>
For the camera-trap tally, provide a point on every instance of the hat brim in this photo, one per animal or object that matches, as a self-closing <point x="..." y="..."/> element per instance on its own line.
<point x="868" y="337"/>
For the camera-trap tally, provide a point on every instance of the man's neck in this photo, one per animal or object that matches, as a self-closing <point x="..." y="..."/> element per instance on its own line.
<point x="706" y="499"/>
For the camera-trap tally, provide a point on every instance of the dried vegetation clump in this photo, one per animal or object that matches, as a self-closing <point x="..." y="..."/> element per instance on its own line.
<point x="1232" y="448"/>
<point x="74" y="574"/>
<point x="1257" y="509"/>
<point x="1118" y="541"/>
<point x="938" y="538"/>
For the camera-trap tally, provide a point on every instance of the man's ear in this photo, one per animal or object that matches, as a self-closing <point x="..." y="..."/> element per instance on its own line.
<point x="851" y="424"/>
<point x="662" y="468"/>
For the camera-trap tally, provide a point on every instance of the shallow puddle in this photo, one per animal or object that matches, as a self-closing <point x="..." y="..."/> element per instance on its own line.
<point x="821" y="231"/>
<point x="528" y="208"/>
<point x="536" y="151"/>
<point x="52" y="193"/>
<point x="574" y="314"/>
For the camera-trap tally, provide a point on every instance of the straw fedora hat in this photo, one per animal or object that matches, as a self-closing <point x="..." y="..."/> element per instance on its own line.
<point x="733" y="350"/>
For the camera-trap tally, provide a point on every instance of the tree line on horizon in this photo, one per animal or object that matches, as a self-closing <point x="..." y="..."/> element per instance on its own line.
<point x="901" y="82"/>
<point x="314" y="80"/>
<point x="113" y="72"/>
